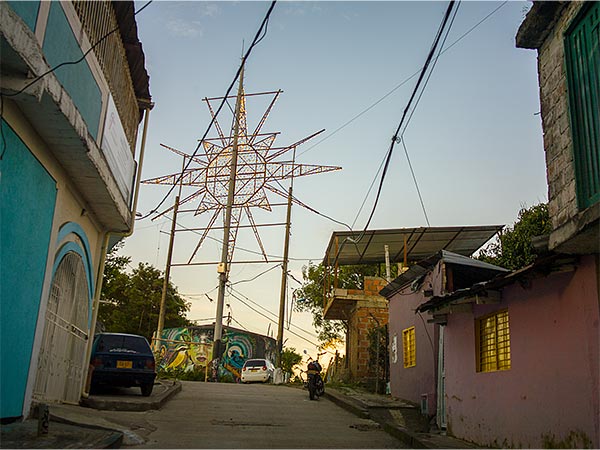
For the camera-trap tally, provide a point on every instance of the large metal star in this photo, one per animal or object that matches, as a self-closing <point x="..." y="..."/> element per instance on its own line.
<point x="255" y="174"/>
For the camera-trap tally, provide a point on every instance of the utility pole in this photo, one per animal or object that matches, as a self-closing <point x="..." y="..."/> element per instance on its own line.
<point x="223" y="267"/>
<point x="163" y="297"/>
<point x="388" y="275"/>
<point x="284" y="267"/>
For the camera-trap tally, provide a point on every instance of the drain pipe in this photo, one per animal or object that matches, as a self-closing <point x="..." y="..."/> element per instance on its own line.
<point x="85" y="391"/>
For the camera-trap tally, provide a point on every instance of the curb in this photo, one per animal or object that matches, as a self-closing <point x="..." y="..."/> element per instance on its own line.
<point x="113" y="440"/>
<point x="171" y="388"/>
<point x="363" y="411"/>
<point x="351" y="405"/>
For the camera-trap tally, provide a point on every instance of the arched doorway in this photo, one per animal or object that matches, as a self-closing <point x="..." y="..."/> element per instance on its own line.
<point x="62" y="354"/>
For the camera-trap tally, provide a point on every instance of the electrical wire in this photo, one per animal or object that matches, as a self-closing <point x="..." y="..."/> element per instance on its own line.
<point x="256" y="276"/>
<point x="270" y="312"/>
<point x="402" y="83"/>
<point x="257" y="39"/>
<point x="48" y="72"/>
<point x="406" y="110"/>
<point x="396" y="138"/>
<point x="254" y="252"/>
<point x="415" y="180"/>
<point x="273" y="321"/>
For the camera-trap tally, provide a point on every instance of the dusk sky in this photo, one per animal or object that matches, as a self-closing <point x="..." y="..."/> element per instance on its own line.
<point x="475" y="140"/>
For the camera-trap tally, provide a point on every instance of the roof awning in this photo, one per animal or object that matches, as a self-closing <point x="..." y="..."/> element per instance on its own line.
<point x="542" y="266"/>
<point x="422" y="267"/>
<point x="355" y="247"/>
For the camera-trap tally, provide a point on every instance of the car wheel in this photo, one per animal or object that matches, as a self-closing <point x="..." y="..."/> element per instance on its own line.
<point x="147" y="389"/>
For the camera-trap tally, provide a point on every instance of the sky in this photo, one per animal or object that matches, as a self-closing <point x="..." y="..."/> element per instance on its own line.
<point x="474" y="141"/>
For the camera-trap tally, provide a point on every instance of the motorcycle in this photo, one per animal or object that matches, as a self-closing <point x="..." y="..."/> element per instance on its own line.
<point x="314" y="383"/>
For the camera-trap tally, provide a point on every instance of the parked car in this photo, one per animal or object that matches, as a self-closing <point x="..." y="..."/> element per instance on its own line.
<point x="257" y="370"/>
<point x="125" y="360"/>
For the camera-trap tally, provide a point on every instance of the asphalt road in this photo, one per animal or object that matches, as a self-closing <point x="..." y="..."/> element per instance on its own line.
<point x="212" y="415"/>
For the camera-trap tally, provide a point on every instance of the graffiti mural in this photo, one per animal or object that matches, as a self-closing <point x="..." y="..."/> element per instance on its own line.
<point x="190" y="350"/>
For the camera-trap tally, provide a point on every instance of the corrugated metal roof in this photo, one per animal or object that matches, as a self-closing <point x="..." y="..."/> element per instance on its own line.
<point x="423" y="266"/>
<point x="541" y="266"/>
<point x="422" y="242"/>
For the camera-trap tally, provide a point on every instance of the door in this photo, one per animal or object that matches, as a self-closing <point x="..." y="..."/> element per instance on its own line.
<point x="62" y="354"/>
<point x="441" y="383"/>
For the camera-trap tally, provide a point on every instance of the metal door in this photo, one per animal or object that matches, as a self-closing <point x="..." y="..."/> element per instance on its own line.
<point x="62" y="354"/>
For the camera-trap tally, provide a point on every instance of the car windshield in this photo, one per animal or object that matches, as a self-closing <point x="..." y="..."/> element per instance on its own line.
<point x="122" y="344"/>
<point x="255" y="363"/>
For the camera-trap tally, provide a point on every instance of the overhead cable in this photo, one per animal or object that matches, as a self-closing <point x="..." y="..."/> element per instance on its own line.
<point x="260" y="35"/>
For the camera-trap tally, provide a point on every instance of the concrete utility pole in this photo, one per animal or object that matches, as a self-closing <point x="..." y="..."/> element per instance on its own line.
<point x="223" y="267"/>
<point x="284" y="269"/>
<point x="163" y="298"/>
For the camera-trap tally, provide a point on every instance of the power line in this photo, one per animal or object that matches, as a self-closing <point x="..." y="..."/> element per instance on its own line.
<point x="48" y="72"/>
<point x="396" y="138"/>
<point x="415" y="108"/>
<point x="255" y="41"/>
<point x="406" y="110"/>
<point x="415" y="180"/>
<point x="402" y="83"/>
<point x="254" y="252"/>
<point x="264" y="309"/>
<point x="256" y="276"/>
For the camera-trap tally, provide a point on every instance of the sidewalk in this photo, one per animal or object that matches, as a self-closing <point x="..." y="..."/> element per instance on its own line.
<point x="401" y="419"/>
<point x="73" y="426"/>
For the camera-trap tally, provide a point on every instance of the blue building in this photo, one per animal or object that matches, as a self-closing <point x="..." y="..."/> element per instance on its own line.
<point x="68" y="179"/>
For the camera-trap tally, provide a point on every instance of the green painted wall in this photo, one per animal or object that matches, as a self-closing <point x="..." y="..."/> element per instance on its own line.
<point x="61" y="46"/>
<point x="27" y="201"/>
<point x="28" y="11"/>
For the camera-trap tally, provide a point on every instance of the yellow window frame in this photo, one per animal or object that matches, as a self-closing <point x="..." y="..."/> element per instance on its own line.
<point x="493" y="342"/>
<point x="409" y="347"/>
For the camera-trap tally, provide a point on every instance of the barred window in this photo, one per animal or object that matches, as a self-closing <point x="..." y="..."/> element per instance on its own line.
<point x="409" y="348"/>
<point x="493" y="352"/>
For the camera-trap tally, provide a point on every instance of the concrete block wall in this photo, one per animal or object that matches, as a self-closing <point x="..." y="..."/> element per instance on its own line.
<point x="558" y="141"/>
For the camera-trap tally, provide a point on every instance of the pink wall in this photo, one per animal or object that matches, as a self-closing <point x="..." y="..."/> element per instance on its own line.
<point x="552" y="388"/>
<point x="410" y="383"/>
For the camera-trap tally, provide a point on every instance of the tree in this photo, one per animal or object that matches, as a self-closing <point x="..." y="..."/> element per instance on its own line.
<point x="290" y="359"/>
<point x="309" y="298"/>
<point x="512" y="249"/>
<point x="130" y="303"/>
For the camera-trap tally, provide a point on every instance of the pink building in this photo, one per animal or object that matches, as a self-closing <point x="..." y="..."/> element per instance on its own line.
<point x="416" y="370"/>
<point x="521" y="362"/>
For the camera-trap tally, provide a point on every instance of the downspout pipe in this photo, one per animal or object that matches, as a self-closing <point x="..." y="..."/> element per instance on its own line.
<point x="100" y="275"/>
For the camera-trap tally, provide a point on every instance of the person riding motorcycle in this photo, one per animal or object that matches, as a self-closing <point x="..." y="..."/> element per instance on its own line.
<point x="316" y="387"/>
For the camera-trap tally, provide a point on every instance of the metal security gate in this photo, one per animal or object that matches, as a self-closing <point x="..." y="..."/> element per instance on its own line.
<point x="61" y="360"/>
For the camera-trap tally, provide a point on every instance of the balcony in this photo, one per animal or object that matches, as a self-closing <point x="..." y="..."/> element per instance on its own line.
<point x="87" y="114"/>
<point x="341" y="302"/>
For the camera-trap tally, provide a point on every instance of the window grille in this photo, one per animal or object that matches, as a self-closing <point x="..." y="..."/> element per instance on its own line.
<point x="582" y="54"/>
<point x="409" y="347"/>
<point x="494" y="342"/>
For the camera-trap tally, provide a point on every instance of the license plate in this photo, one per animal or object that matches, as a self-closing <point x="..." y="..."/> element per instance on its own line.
<point x="253" y="370"/>
<point x="124" y="365"/>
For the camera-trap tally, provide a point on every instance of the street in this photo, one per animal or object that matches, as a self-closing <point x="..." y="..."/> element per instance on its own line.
<point x="211" y="415"/>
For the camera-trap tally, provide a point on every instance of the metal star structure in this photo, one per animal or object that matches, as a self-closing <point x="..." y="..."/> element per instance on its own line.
<point x="256" y="173"/>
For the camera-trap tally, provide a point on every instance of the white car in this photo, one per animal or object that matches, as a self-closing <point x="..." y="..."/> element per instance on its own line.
<point x="258" y="370"/>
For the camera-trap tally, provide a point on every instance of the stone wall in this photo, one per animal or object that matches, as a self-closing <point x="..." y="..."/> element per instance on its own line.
<point x="558" y="141"/>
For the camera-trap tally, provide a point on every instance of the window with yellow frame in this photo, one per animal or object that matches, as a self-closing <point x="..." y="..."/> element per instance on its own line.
<point x="493" y="342"/>
<point x="409" y="348"/>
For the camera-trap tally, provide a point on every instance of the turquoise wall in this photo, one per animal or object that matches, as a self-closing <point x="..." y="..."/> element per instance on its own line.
<point x="27" y="201"/>
<point x="28" y="11"/>
<point x="61" y="46"/>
